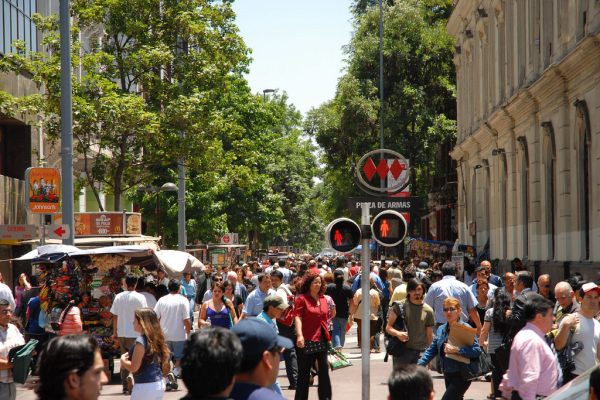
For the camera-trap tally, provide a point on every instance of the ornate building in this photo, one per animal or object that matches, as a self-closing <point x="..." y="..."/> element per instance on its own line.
<point x="528" y="140"/>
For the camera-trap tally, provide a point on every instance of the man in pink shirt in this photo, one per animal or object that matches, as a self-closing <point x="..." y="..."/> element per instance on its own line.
<point x="533" y="368"/>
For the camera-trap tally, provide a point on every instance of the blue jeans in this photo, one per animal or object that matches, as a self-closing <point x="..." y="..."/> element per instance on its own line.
<point x="192" y="306"/>
<point x="339" y="332"/>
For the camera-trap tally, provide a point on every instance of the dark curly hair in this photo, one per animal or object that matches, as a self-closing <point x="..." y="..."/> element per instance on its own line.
<point x="307" y="280"/>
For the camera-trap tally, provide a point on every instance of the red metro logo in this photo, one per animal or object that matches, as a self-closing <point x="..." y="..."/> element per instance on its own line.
<point x="382" y="172"/>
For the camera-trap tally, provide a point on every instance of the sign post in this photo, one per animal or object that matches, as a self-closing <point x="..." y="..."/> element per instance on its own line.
<point x="365" y="327"/>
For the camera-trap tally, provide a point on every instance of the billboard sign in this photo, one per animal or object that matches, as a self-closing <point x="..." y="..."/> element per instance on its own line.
<point x="43" y="190"/>
<point x="108" y="224"/>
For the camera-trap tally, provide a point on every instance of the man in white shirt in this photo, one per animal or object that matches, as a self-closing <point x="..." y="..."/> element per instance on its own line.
<point x="586" y="330"/>
<point x="173" y="312"/>
<point x="123" y="311"/>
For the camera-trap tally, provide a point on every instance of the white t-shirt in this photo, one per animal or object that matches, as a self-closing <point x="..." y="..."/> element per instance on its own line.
<point x="124" y="307"/>
<point x="172" y="310"/>
<point x="588" y="333"/>
<point x="150" y="299"/>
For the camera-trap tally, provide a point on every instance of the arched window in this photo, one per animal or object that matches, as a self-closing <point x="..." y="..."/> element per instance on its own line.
<point x="584" y="174"/>
<point x="524" y="195"/>
<point x="550" y="175"/>
<point x="503" y="205"/>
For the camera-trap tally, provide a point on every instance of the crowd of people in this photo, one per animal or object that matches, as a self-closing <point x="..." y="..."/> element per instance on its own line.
<point x="253" y="316"/>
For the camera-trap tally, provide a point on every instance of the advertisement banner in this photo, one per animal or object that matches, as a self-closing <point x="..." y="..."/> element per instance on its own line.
<point x="43" y="190"/>
<point x="107" y="224"/>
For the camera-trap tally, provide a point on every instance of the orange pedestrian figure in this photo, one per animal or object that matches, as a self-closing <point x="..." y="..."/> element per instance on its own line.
<point x="384" y="229"/>
<point x="337" y="236"/>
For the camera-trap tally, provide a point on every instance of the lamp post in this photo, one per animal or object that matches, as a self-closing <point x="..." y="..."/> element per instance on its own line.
<point x="265" y="91"/>
<point x="167" y="187"/>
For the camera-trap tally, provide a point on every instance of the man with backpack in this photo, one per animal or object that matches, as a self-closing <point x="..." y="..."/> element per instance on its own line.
<point x="411" y="321"/>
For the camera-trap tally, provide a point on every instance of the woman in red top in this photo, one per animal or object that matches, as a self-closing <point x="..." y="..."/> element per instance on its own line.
<point x="311" y="311"/>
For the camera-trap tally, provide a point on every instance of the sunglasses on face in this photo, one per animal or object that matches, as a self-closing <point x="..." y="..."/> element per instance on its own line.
<point x="449" y="309"/>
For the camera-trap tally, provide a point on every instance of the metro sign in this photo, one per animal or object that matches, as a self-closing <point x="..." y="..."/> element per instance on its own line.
<point x="381" y="172"/>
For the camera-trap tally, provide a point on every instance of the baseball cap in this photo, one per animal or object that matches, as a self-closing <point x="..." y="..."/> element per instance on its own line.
<point x="257" y="337"/>
<point x="275" y="301"/>
<point x="588" y="287"/>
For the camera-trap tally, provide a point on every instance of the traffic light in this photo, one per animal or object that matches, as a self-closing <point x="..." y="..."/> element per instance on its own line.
<point x="389" y="228"/>
<point x="343" y="234"/>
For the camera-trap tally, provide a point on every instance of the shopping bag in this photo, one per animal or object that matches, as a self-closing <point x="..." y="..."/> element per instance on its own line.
<point x="337" y="360"/>
<point x="21" y="360"/>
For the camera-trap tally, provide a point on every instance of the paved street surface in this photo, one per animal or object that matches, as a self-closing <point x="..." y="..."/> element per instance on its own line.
<point x="346" y="382"/>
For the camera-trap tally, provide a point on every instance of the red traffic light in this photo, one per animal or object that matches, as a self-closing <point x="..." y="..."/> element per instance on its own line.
<point x="389" y="228"/>
<point x="343" y="235"/>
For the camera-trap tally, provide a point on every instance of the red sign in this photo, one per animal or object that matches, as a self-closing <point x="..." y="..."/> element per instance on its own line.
<point x="382" y="172"/>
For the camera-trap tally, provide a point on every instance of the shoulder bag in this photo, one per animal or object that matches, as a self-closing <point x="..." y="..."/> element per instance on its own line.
<point x="394" y="346"/>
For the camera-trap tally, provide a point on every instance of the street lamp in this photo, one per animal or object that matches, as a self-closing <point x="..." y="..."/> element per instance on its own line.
<point x="265" y="91"/>
<point x="167" y="187"/>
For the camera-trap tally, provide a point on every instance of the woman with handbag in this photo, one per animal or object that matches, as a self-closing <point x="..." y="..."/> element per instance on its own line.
<point x="456" y="373"/>
<point x="312" y="335"/>
<point x="148" y="358"/>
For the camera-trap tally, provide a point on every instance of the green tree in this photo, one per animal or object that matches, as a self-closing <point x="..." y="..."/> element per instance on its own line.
<point x="419" y="101"/>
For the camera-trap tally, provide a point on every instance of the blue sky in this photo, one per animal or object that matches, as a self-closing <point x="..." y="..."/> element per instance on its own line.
<point x="296" y="46"/>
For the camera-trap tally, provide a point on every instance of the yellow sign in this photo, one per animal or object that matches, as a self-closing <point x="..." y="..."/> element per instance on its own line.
<point x="43" y="190"/>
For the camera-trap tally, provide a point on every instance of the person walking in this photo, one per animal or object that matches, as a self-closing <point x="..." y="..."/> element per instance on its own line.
<point x="495" y="326"/>
<point x="9" y="337"/>
<point x="218" y="311"/>
<point x="585" y="329"/>
<point x="342" y="297"/>
<point x="418" y="320"/>
<point x="373" y="301"/>
<point x="533" y="369"/>
<point x="21" y="287"/>
<point x="189" y="284"/>
<point x="70" y="320"/>
<point x="123" y="311"/>
<point x="456" y="384"/>
<point x="254" y="303"/>
<point x="312" y="336"/>
<point x="173" y="312"/>
<point x="145" y="360"/>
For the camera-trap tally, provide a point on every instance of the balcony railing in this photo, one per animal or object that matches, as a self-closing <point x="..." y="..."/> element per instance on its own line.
<point x="12" y="201"/>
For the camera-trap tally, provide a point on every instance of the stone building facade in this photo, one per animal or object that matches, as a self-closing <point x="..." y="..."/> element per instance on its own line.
<point x="528" y="140"/>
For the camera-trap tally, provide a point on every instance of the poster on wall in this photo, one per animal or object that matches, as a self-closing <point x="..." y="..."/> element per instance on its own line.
<point x="43" y="190"/>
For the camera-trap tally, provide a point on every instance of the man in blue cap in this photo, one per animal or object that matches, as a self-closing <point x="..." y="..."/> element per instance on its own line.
<point x="260" y="362"/>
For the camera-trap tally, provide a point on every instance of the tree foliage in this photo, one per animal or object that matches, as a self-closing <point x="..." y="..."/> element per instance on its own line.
<point x="419" y="102"/>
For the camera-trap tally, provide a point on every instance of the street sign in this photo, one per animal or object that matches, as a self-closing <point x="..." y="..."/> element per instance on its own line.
<point x="389" y="228"/>
<point x="381" y="172"/>
<point x="18" y="232"/>
<point x="343" y="235"/>
<point x="230" y="238"/>
<point x="58" y="231"/>
<point x="378" y="204"/>
<point x="43" y="190"/>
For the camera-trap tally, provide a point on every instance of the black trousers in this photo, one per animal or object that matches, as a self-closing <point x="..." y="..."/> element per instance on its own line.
<point x="456" y="386"/>
<point x="289" y="356"/>
<point x="497" y="373"/>
<point x="305" y="362"/>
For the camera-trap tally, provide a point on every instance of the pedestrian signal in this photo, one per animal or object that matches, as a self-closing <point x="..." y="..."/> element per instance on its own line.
<point x="389" y="228"/>
<point x="343" y="235"/>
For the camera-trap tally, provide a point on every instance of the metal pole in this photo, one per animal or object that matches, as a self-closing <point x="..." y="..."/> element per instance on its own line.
<point x="158" y="233"/>
<point x="365" y="323"/>
<point x="181" y="237"/>
<point x="66" y="121"/>
<point x="381" y="142"/>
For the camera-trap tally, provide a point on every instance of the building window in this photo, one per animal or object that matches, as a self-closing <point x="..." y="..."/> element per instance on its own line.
<point x="584" y="175"/>
<point x="524" y="195"/>
<point x="18" y="25"/>
<point x="550" y="172"/>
